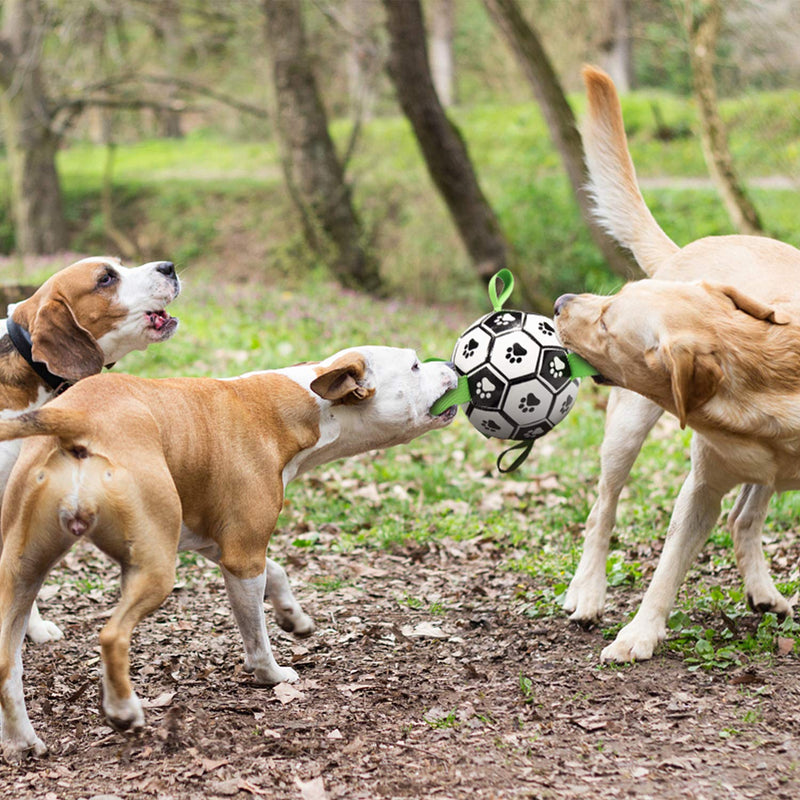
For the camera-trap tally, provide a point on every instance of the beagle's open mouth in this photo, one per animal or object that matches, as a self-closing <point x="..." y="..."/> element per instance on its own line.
<point x="161" y="323"/>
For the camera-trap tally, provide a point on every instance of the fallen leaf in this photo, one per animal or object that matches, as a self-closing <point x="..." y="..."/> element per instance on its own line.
<point x="785" y="645"/>
<point x="424" y="630"/>
<point x="209" y="765"/>
<point x="246" y="786"/>
<point x="285" y="692"/>
<point x="312" y="790"/>
<point x="591" y="723"/>
<point x="163" y="700"/>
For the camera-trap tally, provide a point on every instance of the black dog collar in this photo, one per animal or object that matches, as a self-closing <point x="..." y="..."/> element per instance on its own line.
<point x="21" y="340"/>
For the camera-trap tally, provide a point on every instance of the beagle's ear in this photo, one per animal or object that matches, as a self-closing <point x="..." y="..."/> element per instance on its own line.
<point x="694" y="377"/>
<point x="339" y="382"/>
<point x="59" y="341"/>
<point x="752" y="306"/>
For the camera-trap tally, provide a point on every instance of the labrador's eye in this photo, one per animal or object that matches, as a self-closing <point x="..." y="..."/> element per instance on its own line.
<point x="415" y="366"/>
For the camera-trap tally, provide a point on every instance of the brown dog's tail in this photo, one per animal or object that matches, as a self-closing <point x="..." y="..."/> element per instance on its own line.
<point x="619" y="204"/>
<point x="64" y="423"/>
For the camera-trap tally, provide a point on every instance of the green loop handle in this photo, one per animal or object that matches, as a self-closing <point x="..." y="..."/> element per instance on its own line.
<point x="525" y="450"/>
<point x="507" y="279"/>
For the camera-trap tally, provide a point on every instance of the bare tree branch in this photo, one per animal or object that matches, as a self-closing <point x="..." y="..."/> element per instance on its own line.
<point x="116" y="81"/>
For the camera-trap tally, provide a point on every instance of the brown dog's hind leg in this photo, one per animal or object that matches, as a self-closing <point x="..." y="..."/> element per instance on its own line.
<point x="23" y="567"/>
<point x="143" y="591"/>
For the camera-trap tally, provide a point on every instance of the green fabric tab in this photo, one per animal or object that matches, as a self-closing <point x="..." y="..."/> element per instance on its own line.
<point x="507" y="279"/>
<point x="455" y="397"/>
<point x="579" y="368"/>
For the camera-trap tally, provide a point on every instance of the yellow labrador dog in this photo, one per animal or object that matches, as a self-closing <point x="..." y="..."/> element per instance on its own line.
<point x="763" y="268"/>
<point x="728" y="365"/>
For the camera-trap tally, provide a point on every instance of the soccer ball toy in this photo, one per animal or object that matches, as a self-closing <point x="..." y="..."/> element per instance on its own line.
<point x="519" y="377"/>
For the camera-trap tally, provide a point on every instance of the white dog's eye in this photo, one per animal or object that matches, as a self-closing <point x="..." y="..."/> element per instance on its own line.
<point x="107" y="278"/>
<point x="415" y="366"/>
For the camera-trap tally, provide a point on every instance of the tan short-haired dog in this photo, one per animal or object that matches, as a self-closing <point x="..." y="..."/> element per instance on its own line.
<point x="762" y="268"/>
<point x="726" y="364"/>
<point x="145" y="467"/>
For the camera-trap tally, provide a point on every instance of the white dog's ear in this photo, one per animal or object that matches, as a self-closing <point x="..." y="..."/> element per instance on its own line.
<point x="752" y="306"/>
<point x="694" y="377"/>
<point x="341" y="381"/>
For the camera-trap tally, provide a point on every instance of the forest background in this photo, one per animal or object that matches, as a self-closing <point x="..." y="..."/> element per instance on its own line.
<point x="165" y="129"/>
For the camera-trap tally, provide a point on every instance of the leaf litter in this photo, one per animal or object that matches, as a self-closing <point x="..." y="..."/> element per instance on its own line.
<point x="427" y="677"/>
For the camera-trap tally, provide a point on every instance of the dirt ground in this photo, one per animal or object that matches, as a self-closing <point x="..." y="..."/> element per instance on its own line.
<point x="426" y="679"/>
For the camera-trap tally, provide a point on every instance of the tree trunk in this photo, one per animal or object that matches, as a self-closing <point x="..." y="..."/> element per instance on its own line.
<point x="616" y="45"/>
<point x="168" y="33"/>
<point x="560" y="120"/>
<point x="444" y="150"/>
<point x="442" y="24"/>
<point x="38" y="215"/>
<point x="702" y="25"/>
<point x="314" y="174"/>
<point x="363" y="61"/>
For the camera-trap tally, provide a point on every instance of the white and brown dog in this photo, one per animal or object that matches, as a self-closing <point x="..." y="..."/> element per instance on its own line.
<point x="143" y="468"/>
<point x="87" y="315"/>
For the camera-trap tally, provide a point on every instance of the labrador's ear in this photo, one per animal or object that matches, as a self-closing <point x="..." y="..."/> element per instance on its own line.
<point x="342" y="381"/>
<point x="750" y="305"/>
<point x="61" y="343"/>
<point x="694" y="377"/>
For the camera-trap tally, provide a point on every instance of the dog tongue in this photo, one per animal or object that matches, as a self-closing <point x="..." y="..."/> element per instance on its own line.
<point x="158" y="319"/>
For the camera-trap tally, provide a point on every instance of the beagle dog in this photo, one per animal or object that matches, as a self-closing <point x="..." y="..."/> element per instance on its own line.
<point x="726" y="364"/>
<point x="143" y="468"/>
<point x="87" y="315"/>
<point x="764" y="268"/>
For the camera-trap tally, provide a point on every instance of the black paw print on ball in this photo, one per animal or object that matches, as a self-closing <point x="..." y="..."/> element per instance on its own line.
<point x="546" y="327"/>
<point x="558" y="367"/>
<point x="566" y="405"/>
<point x="529" y="403"/>
<point x="490" y="425"/>
<point x="469" y="348"/>
<point x="515" y="352"/>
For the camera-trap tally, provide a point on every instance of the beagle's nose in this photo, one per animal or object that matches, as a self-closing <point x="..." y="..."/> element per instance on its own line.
<point x="166" y="268"/>
<point x="561" y="302"/>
